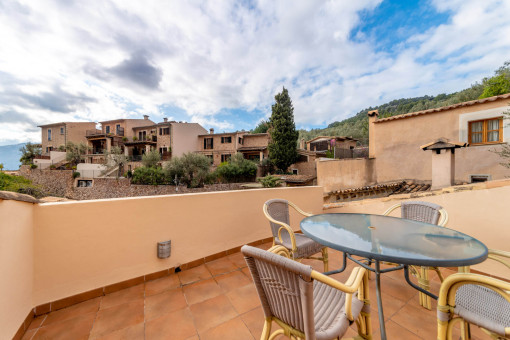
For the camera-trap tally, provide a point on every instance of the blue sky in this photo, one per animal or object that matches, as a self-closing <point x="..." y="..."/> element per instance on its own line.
<point x="220" y="63"/>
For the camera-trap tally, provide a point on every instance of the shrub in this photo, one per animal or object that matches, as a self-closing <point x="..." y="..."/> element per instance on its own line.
<point x="124" y="139"/>
<point x="148" y="176"/>
<point x="191" y="169"/>
<point x="270" y="181"/>
<point x="237" y="169"/>
<point x="135" y="138"/>
<point x="33" y="166"/>
<point x="53" y="167"/>
<point x="19" y="184"/>
<point x="151" y="159"/>
<point x="62" y="148"/>
<point x="76" y="174"/>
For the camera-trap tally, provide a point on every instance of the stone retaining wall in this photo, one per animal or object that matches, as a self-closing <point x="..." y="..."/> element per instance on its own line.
<point x="53" y="182"/>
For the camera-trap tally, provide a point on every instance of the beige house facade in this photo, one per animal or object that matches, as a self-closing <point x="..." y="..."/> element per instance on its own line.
<point x="395" y="141"/>
<point x="56" y="136"/>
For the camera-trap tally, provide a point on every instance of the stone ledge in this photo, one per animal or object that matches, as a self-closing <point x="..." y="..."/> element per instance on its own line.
<point x="14" y="196"/>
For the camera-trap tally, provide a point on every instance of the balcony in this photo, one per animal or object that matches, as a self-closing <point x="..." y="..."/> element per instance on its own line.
<point x="84" y="274"/>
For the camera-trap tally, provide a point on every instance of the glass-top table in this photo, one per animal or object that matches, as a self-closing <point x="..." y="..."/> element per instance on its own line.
<point x="392" y="239"/>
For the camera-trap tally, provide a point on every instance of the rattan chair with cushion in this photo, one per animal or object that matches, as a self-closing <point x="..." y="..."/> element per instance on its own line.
<point x="299" y="245"/>
<point x="305" y="303"/>
<point x="475" y="299"/>
<point x="429" y="213"/>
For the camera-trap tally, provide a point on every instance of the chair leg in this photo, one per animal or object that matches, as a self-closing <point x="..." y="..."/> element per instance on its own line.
<point x="422" y="274"/>
<point x="325" y="258"/>
<point x="266" y="332"/>
<point x="465" y="331"/>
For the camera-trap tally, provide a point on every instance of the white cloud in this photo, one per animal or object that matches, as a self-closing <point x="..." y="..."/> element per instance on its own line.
<point x="118" y="58"/>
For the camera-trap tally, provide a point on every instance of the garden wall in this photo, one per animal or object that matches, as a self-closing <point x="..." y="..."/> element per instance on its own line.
<point x="53" y="182"/>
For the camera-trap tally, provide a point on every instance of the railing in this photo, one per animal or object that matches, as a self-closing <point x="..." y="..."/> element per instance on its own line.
<point x="120" y="131"/>
<point x="351" y="153"/>
<point x="42" y="157"/>
<point x="94" y="132"/>
<point x="96" y="152"/>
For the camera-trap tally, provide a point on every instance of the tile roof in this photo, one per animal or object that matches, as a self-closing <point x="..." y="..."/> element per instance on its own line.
<point x="445" y="108"/>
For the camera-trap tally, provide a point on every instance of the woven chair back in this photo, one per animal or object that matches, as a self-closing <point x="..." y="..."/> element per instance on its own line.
<point x="421" y="211"/>
<point x="284" y="286"/>
<point x="278" y="209"/>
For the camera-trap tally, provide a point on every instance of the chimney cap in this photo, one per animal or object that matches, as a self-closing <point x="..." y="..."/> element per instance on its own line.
<point x="165" y="120"/>
<point x="146" y="117"/>
<point x="373" y="113"/>
<point x="211" y="131"/>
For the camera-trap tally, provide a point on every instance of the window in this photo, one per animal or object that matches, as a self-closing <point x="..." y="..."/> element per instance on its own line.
<point x="241" y="140"/>
<point x="486" y="131"/>
<point x="164" y="131"/>
<point x="225" y="158"/>
<point x="49" y="134"/>
<point x="294" y="171"/>
<point x="226" y="140"/>
<point x="142" y="135"/>
<point x="211" y="159"/>
<point x="117" y="128"/>
<point x="107" y="129"/>
<point x="208" y="143"/>
<point x="162" y="150"/>
<point x="61" y="130"/>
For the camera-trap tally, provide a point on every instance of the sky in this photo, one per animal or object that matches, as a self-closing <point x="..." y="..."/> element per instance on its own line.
<point x="220" y="63"/>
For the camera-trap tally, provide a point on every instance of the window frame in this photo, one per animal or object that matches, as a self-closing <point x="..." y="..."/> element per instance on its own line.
<point x="485" y="123"/>
<point x="225" y="157"/>
<point x="62" y="130"/>
<point x="226" y="140"/>
<point x="49" y="134"/>
<point x="107" y="129"/>
<point x="208" y="146"/>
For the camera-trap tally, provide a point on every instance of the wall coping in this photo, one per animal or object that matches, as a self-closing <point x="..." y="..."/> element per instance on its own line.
<point x="443" y="191"/>
<point x="14" y="196"/>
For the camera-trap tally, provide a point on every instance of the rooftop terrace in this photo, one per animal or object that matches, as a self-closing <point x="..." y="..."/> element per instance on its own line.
<point x="89" y="270"/>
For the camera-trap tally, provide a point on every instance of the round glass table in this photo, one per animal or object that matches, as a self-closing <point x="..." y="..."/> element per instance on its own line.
<point x="391" y="239"/>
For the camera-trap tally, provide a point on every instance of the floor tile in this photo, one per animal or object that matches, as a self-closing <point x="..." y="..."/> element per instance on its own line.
<point x="135" y="293"/>
<point x="417" y="320"/>
<point x="29" y="334"/>
<point x="73" y="311"/>
<point x="391" y="305"/>
<point x="135" y="332"/>
<point x="194" y="274"/>
<point x="232" y="280"/>
<point x="177" y="325"/>
<point x="394" y="331"/>
<point x="160" y="285"/>
<point x="166" y="302"/>
<point x="118" y="317"/>
<point x="200" y="291"/>
<point x="244" y="299"/>
<point x="238" y="260"/>
<point x="38" y="321"/>
<point x="247" y="272"/>
<point x="212" y="312"/>
<point x="254" y="320"/>
<point x="231" y="330"/>
<point x="76" y="328"/>
<point x="220" y="266"/>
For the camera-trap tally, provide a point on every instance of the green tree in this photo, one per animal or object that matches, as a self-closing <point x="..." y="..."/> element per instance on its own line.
<point x="116" y="159"/>
<point x="151" y="159"/>
<point x="28" y="152"/>
<point x="237" y="169"/>
<point x="1" y="167"/>
<point x="504" y="151"/>
<point x="499" y="84"/>
<point x="261" y="127"/>
<point x="75" y="152"/>
<point x="191" y="169"/>
<point x="148" y="176"/>
<point x="284" y="137"/>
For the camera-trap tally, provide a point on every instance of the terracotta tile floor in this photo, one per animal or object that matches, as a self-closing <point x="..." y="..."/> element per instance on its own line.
<point x="218" y="301"/>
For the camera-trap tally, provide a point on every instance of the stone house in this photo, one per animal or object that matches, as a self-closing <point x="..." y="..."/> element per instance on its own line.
<point x="55" y="136"/>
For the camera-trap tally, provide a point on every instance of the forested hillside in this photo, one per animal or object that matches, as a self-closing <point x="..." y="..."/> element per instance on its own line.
<point x="357" y="126"/>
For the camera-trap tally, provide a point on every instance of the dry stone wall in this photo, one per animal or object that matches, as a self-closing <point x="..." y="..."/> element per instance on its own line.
<point x="53" y="182"/>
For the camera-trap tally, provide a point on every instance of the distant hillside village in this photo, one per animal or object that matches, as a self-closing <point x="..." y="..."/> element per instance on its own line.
<point x="424" y="150"/>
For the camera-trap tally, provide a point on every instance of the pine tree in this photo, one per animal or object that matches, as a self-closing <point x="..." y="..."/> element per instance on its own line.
<point x="283" y="145"/>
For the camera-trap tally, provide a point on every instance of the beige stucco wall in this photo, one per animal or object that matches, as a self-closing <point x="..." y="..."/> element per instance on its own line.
<point x="16" y="263"/>
<point x="78" y="250"/>
<point x="397" y="144"/>
<point x="336" y="174"/>
<point x="482" y="214"/>
<point x="184" y="137"/>
<point x="254" y="140"/>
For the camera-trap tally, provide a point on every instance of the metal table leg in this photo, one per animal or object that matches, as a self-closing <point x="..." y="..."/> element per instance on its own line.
<point x="379" y="299"/>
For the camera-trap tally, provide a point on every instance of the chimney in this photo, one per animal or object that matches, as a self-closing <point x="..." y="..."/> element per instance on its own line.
<point x="211" y="131"/>
<point x="165" y="120"/>
<point x="146" y="117"/>
<point x="302" y="144"/>
<point x="372" y="117"/>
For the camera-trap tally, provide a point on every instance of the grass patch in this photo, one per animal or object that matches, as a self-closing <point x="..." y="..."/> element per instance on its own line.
<point x="20" y="185"/>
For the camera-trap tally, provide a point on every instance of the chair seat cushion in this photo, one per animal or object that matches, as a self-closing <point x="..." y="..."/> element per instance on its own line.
<point x="305" y="246"/>
<point x="329" y="310"/>
<point x="483" y="307"/>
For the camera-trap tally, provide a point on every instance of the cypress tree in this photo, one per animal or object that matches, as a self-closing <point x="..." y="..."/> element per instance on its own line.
<point x="283" y="145"/>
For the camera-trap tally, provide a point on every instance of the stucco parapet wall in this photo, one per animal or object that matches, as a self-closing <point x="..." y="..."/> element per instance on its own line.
<point x="14" y="196"/>
<point x="449" y="190"/>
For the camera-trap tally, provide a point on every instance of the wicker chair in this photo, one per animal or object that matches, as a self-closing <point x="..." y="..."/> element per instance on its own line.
<point x="305" y="303"/>
<point x="429" y="213"/>
<point x="475" y="299"/>
<point x="299" y="245"/>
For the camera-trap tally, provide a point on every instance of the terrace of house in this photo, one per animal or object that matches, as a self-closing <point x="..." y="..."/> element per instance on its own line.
<point x="110" y="268"/>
